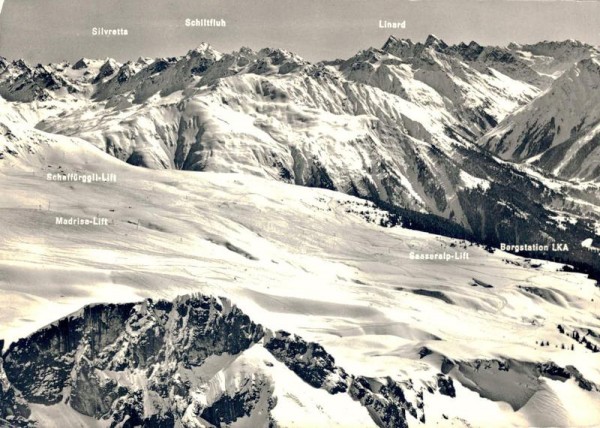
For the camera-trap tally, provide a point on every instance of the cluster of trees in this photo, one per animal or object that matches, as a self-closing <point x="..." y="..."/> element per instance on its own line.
<point x="490" y="224"/>
<point x="579" y="338"/>
<point x="562" y="345"/>
<point x="423" y="222"/>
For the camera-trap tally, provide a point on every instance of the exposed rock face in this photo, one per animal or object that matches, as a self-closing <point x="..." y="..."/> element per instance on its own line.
<point x="82" y="63"/>
<point x="196" y="360"/>
<point x="446" y="386"/>
<point x="309" y="361"/>
<point x="109" y="68"/>
<point x="13" y="408"/>
<point x="144" y="363"/>
<point x="41" y="365"/>
<point x="69" y="360"/>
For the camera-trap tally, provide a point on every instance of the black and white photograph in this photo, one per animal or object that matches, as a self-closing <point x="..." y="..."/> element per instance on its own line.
<point x="299" y="214"/>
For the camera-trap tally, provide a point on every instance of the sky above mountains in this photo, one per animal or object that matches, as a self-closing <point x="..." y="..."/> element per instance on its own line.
<point x="55" y="30"/>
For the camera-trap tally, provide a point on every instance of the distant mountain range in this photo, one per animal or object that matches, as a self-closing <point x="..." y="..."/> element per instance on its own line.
<point x="419" y="126"/>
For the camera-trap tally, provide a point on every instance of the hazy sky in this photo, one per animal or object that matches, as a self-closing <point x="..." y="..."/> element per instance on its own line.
<point x="53" y="30"/>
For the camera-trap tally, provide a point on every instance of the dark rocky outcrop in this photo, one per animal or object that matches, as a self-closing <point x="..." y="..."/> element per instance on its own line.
<point x="85" y="359"/>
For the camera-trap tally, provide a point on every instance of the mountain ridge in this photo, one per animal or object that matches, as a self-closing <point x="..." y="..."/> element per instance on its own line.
<point x="399" y="128"/>
<point x="558" y="131"/>
<point x="152" y="372"/>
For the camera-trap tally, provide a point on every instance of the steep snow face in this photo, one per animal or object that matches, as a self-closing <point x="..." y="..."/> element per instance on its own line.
<point x="559" y="131"/>
<point x="371" y="320"/>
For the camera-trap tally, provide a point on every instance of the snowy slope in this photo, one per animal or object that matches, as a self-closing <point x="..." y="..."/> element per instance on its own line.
<point x="458" y="340"/>
<point x="557" y="132"/>
<point x="396" y="125"/>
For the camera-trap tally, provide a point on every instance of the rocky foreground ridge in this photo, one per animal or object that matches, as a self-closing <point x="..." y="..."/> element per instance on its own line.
<point x="200" y="361"/>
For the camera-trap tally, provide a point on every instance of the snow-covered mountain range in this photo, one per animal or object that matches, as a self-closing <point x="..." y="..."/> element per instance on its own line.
<point x="263" y="268"/>
<point x="402" y="125"/>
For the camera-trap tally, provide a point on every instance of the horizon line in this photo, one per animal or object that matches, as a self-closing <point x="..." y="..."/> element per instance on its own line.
<point x="390" y="37"/>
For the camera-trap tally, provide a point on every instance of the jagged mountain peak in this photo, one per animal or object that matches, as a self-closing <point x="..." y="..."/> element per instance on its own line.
<point x="435" y="42"/>
<point x="279" y="55"/>
<point x="471" y="45"/>
<point x="370" y="55"/>
<point x="107" y="69"/>
<point x="264" y="62"/>
<point x="202" y="47"/>
<point x="204" y="50"/>
<point x="245" y="50"/>
<point x="161" y="64"/>
<point x="20" y="64"/>
<point x="126" y="71"/>
<point x="110" y="62"/>
<point x="81" y="63"/>
<point x="144" y="60"/>
<point x="469" y="52"/>
<point x="393" y="43"/>
<point x="406" y="48"/>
